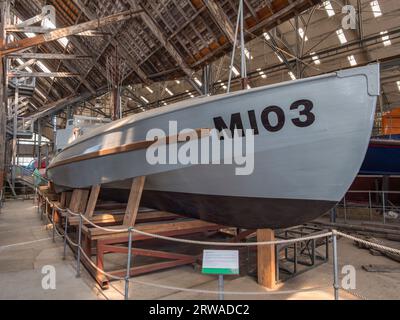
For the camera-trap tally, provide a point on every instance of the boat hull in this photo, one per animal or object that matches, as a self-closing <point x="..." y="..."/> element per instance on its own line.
<point x="382" y="158"/>
<point x="304" y="159"/>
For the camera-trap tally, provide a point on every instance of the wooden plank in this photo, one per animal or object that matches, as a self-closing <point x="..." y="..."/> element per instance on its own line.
<point x="137" y="145"/>
<point x="94" y="194"/>
<point x="79" y="200"/>
<point x="47" y="56"/>
<point x="67" y="31"/>
<point x="134" y="201"/>
<point x="266" y="259"/>
<point x="21" y="74"/>
<point x="159" y="228"/>
<point x="220" y="18"/>
<point x="108" y="218"/>
<point x="63" y="200"/>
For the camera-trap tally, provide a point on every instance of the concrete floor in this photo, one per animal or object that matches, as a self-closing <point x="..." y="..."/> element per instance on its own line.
<point x="25" y="247"/>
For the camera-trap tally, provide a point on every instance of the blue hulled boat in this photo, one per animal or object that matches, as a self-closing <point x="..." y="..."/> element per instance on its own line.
<point x="383" y="156"/>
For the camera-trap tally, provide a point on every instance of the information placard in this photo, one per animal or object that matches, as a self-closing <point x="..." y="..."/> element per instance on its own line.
<point x="224" y="262"/>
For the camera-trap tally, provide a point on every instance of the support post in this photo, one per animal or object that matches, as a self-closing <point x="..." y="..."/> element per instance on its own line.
<point x="266" y="259"/>
<point x="335" y="266"/>
<point x="79" y="200"/>
<point x="91" y="205"/>
<point x="4" y="19"/>
<point x="128" y="264"/>
<point x="54" y="224"/>
<point x="78" y="256"/>
<point x="134" y="201"/>
<point x="221" y="286"/>
<point x="65" y="237"/>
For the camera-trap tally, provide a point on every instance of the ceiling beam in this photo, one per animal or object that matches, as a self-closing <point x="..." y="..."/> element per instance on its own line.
<point x="43" y="74"/>
<point x="64" y="32"/>
<point x="146" y="18"/>
<point x="47" y="56"/>
<point x="69" y="101"/>
<point x="123" y="52"/>
<point x="220" y="18"/>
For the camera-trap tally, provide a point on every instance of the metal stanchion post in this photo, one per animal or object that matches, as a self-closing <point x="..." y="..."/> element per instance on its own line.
<point x="335" y="265"/>
<point x="370" y="205"/>
<point x="78" y="256"/>
<point x="383" y="207"/>
<point x="128" y="264"/>
<point x="65" y="236"/>
<point x="54" y="225"/>
<point x="221" y="286"/>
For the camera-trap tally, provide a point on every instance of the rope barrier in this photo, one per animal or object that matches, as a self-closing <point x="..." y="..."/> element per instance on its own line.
<point x="229" y="244"/>
<point x="155" y="285"/>
<point x="208" y="243"/>
<point x="372" y="244"/>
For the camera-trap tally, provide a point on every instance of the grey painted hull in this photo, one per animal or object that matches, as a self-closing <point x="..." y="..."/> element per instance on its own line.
<point x="299" y="172"/>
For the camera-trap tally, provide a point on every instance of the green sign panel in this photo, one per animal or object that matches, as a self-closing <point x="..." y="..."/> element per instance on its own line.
<point x="225" y="262"/>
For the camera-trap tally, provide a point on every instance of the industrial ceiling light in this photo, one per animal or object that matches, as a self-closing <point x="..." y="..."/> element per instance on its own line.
<point x="302" y="35"/>
<point x="21" y="63"/>
<point x="43" y="67"/>
<point x="248" y="54"/>
<point x="328" y="7"/>
<point x="40" y="93"/>
<point x="315" y="58"/>
<point x="376" y="9"/>
<point x="198" y="81"/>
<point x="266" y="36"/>
<point x="177" y="82"/>
<point x="169" y="92"/>
<point x="279" y="57"/>
<point x="352" y="60"/>
<point x="292" y="76"/>
<point x="262" y="73"/>
<point x="235" y="71"/>
<point x="341" y="36"/>
<point x="144" y="99"/>
<point x="386" y="38"/>
<point x="149" y="90"/>
<point x="398" y="85"/>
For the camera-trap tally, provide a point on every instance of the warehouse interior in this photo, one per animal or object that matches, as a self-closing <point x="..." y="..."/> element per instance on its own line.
<point x="70" y="68"/>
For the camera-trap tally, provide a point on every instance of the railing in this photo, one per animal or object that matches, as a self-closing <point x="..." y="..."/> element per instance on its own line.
<point x="131" y="231"/>
<point x="383" y="204"/>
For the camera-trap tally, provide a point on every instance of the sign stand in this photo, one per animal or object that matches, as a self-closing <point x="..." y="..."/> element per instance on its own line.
<point x="221" y="262"/>
<point x="221" y="286"/>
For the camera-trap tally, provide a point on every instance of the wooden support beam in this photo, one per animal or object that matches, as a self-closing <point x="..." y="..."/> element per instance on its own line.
<point x="94" y="194"/>
<point x="220" y="19"/>
<point x="79" y="200"/>
<point x="71" y="100"/>
<point x="134" y="201"/>
<point x="64" y="32"/>
<point x="47" y="56"/>
<point x="266" y="259"/>
<point x="42" y="74"/>
<point x="157" y="32"/>
<point x="124" y="53"/>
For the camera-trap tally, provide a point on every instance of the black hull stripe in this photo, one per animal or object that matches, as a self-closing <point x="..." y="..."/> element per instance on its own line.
<point x="241" y="212"/>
